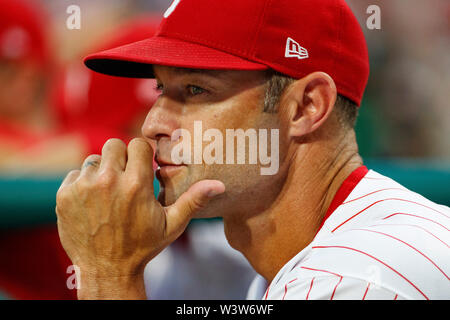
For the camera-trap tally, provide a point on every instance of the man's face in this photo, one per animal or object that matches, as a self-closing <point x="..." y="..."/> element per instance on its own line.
<point x="220" y="100"/>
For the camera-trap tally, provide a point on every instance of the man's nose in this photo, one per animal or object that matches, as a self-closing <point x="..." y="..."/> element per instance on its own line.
<point x="160" y="122"/>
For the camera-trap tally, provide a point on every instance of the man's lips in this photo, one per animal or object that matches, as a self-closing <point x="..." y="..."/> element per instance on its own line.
<point x="163" y="163"/>
<point x="167" y="169"/>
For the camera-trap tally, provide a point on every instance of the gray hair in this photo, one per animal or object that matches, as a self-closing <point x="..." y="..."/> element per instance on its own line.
<point x="347" y="110"/>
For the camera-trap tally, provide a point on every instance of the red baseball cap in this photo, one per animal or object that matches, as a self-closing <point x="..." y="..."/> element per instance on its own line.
<point x="293" y="37"/>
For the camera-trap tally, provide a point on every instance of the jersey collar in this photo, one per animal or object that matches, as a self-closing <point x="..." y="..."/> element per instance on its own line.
<point x="345" y="189"/>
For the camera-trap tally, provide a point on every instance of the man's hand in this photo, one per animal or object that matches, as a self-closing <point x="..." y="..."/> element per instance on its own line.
<point x="111" y="224"/>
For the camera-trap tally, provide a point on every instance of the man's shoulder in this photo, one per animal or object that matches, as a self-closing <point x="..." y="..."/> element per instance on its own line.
<point x="379" y="199"/>
<point x="384" y="237"/>
<point x="391" y="262"/>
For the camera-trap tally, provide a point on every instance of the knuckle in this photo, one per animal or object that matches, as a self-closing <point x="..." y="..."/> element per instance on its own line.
<point x="60" y="212"/>
<point x="94" y="157"/>
<point x="61" y="196"/>
<point x="105" y="179"/>
<point x="133" y="186"/>
<point x="115" y="144"/>
<point x="93" y="160"/>
<point x="84" y="184"/>
<point x="62" y="193"/>
<point x="139" y="142"/>
<point x="73" y="173"/>
<point x="195" y="205"/>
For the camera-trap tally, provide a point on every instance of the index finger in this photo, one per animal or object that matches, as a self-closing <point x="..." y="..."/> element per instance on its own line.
<point x="140" y="158"/>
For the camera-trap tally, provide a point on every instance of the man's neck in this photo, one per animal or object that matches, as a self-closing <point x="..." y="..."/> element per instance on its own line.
<point x="271" y="238"/>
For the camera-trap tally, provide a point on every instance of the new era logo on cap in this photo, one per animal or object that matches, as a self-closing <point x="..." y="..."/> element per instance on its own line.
<point x="295" y="50"/>
<point x="172" y="8"/>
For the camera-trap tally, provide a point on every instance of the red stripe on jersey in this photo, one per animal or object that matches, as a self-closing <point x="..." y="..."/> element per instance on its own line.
<point x="396" y="296"/>
<point x="338" y="275"/>
<point x="345" y="189"/>
<point x="286" y="289"/>
<point x="307" y="268"/>
<point x="310" y="287"/>
<point x="376" y="259"/>
<point x="396" y="199"/>
<point x="413" y="215"/>
<point x="411" y="225"/>
<point x="334" y="291"/>
<point x="421" y="253"/>
<point x="365" y="293"/>
<point x="374" y="193"/>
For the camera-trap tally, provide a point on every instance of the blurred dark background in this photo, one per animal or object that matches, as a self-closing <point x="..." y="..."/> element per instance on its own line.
<point x="54" y="112"/>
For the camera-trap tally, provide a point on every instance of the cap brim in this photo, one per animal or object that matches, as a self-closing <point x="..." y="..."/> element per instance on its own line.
<point x="135" y="60"/>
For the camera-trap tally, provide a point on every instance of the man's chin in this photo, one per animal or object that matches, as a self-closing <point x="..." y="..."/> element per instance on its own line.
<point x="205" y="215"/>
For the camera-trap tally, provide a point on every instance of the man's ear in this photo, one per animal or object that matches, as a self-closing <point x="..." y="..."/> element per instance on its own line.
<point x="310" y="101"/>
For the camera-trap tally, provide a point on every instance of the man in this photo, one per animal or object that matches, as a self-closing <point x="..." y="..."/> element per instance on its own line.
<point x="97" y="107"/>
<point x="321" y="227"/>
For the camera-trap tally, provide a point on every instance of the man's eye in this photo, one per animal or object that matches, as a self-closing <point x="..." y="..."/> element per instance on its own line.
<point x="159" y="87"/>
<point x="194" y="90"/>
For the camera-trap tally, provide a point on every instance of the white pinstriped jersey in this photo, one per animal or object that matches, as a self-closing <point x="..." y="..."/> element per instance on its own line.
<point x="381" y="241"/>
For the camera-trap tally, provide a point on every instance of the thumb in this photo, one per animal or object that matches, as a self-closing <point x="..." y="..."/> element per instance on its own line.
<point x="196" y="198"/>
